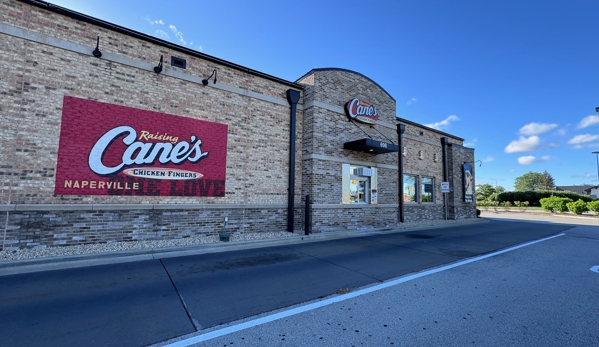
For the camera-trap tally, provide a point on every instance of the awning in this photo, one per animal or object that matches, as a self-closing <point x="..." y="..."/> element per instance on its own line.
<point x="371" y="146"/>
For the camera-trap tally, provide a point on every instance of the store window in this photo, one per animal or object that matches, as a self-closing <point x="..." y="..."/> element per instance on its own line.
<point x="359" y="185"/>
<point x="410" y="193"/>
<point x="427" y="189"/>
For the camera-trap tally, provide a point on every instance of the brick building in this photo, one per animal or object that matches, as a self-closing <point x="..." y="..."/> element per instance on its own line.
<point x="108" y="134"/>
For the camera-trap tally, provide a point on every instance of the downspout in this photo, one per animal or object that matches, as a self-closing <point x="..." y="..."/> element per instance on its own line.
<point x="400" y="130"/>
<point x="444" y="142"/>
<point x="293" y="97"/>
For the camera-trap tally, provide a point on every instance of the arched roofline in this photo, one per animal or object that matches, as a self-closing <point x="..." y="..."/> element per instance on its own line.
<point x="345" y="70"/>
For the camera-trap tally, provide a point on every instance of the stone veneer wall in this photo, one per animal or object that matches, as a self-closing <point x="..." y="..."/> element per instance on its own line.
<point x="47" y="55"/>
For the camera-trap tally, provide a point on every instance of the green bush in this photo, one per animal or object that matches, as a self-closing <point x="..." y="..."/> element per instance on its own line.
<point x="593" y="206"/>
<point x="534" y="196"/>
<point x="506" y="205"/>
<point x="578" y="207"/>
<point x="522" y="205"/>
<point x="555" y="204"/>
<point x="484" y="204"/>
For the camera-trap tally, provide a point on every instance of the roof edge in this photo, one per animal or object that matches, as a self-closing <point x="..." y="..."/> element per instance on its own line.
<point x="345" y="70"/>
<point x="401" y="120"/>
<point x="136" y="34"/>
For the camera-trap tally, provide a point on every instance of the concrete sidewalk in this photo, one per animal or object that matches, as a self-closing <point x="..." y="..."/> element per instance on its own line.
<point x="12" y="267"/>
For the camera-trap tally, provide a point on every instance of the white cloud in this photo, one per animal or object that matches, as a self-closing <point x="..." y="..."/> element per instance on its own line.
<point x="536" y="128"/>
<point x="529" y="159"/>
<point x="471" y="143"/>
<point x="411" y="101"/>
<point x="526" y="160"/>
<point x="578" y="139"/>
<point x="153" y="22"/>
<point x="586" y="175"/>
<point x="488" y="160"/>
<point x="162" y="34"/>
<point x="523" y="144"/>
<point x="178" y="34"/>
<point x="444" y="123"/>
<point x="588" y="121"/>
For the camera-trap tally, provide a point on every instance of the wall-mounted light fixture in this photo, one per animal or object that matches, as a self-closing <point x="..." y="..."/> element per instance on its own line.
<point x="474" y="162"/>
<point x="435" y="159"/>
<point x="205" y="81"/>
<point x="420" y="154"/>
<point x="404" y="151"/>
<point x="96" y="51"/>
<point x="158" y="69"/>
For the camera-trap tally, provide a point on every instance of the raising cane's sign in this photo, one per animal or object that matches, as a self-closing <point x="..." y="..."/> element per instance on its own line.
<point x="109" y="149"/>
<point x="361" y="111"/>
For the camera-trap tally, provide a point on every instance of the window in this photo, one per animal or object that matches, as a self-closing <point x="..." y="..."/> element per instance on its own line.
<point x="410" y="193"/>
<point x="359" y="184"/>
<point x="427" y="189"/>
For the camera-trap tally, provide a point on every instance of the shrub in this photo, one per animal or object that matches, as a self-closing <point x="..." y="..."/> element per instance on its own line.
<point x="506" y="205"/>
<point x="555" y="204"/>
<point x="534" y="196"/>
<point x="494" y="204"/>
<point x="484" y="204"/>
<point x="522" y="205"/>
<point x="578" y="206"/>
<point x="593" y="206"/>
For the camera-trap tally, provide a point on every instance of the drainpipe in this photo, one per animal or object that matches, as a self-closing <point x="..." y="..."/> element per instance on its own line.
<point x="444" y="142"/>
<point x="293" y="97"/>
<point x="400" y="130"/>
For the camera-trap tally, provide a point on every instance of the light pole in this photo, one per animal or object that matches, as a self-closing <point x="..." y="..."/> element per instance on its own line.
<point x="596" y="153"/>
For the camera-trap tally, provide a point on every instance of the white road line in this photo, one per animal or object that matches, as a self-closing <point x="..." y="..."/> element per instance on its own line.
<point x="297" y="310"/>
<point x="595" y="268"/>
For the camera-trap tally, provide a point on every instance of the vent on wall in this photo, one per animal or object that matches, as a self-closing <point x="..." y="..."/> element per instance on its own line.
<point x="178" y="62"/>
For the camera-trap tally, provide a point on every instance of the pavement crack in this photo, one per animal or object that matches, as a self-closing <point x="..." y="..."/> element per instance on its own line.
<point x="195" y="323"/>
<point x="335" y="264"/>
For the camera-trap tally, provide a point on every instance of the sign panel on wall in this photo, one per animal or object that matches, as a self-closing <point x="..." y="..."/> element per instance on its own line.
<point x="107" y="149"/>
<point x="468" y="183"/>
<point x="361" y="111"/>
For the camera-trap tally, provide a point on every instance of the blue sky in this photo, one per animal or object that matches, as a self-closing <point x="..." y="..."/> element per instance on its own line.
<point x="518" y="80"/>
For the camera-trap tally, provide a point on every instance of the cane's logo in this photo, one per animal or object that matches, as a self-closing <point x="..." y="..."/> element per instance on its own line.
<point x="361" y="111"/>
<point x="137" y="153"/>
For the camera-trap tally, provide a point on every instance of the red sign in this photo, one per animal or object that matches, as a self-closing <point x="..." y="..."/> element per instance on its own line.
<point x="361" y="111"/>
<point x="109" y="149"/>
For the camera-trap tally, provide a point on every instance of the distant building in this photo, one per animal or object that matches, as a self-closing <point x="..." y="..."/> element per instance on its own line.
<point x="593" y="192"/>
<point x="580" y="189"/>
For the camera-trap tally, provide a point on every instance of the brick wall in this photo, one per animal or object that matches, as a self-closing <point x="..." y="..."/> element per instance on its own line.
<point x="46" y="55"/>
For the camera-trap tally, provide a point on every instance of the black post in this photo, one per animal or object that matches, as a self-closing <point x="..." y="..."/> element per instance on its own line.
<point x="401" y="128"/>
<point x="444" y="142"/>
<point x="293" y="97"/>
<point x="307" y="217"/>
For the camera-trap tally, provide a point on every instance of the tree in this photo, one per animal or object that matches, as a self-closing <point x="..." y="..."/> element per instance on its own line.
<point x="486" y="191"/>
<point x="546" y="181"/>
<point x="528" y="181"/>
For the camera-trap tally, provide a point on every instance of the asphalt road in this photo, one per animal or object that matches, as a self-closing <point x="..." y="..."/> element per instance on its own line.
<point x="137" y="304"/>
